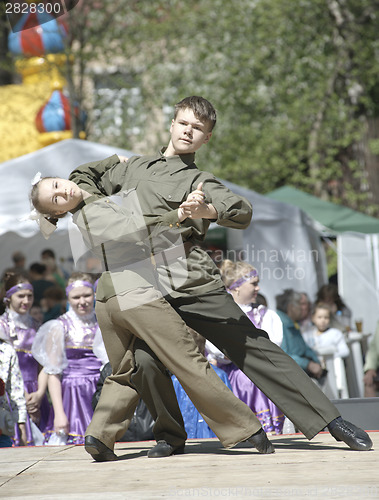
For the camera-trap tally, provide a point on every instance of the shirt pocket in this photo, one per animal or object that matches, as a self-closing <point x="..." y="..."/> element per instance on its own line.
<point x="171" y="196"/>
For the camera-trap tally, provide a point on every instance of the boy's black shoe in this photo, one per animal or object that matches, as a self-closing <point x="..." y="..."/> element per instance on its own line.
<point x="353" y="436"/>
<point x="163" y="449"/>
<point x="98" y="450"/>
<point x="260" y="441"/>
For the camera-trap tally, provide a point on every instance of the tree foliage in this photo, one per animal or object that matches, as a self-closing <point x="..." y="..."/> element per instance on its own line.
<point x="295" y="84"/>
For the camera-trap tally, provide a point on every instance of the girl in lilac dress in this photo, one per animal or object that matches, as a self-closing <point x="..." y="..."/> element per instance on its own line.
<point x="65" y="348"/>
<point x="18" y="328"/>
<point x="242" y="282"/>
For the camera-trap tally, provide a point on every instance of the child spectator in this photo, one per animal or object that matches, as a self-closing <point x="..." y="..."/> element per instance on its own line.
<point x="322" y="338"/>
<point x="18" y="328"/>
<point x="65" y="348"/>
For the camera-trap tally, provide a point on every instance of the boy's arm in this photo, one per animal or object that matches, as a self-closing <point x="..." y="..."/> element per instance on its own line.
<point x="232" y="210"/>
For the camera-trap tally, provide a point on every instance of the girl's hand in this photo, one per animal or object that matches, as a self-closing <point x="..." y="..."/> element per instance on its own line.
<point x="61" y="423"/>
<point x="23" y="438"/>
<point x="33" y="401"/>
<point x="123" y="159"/>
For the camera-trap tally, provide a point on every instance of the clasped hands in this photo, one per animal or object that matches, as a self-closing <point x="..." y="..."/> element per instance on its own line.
<point x="195" y="207"/>
<point x="315" y="369"/>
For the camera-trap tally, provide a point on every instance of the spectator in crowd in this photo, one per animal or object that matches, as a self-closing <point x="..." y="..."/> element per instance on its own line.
<point x="39" y="280"/>
<point x="66" y="347"/>
<point x="341" y="314"/>
<point x="36" y="313"/>
<point x="18" y="328"/>
<point x="18" y="261"/>
<point x="288" y="305"/>
<point x="322" y="338"/>
<point x="53" y="272"/>
<point x="53" y="303"/>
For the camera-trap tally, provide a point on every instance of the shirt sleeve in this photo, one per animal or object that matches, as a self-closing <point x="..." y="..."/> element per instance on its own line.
<point x="88" y="176"/>
<point x="233" y="211"/>
<point x="49" y="347"/>
<point x="272" y="324"/>
<point x="98" y="348"/>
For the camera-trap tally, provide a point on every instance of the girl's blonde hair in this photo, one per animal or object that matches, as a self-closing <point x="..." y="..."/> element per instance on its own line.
<point x="79" y="276"/>
<point x="232" y="271"/>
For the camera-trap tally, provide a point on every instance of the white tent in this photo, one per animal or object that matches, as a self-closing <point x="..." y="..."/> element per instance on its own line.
<point x="15" y="183"/>
<point x="281" y="242"/>
<point x="357" y="250"/>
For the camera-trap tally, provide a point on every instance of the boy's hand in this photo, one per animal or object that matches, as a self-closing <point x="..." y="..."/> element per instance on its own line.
<point x="123" y="159"/>
<point x="197" y="195"/>
<point x="195" y="207"/>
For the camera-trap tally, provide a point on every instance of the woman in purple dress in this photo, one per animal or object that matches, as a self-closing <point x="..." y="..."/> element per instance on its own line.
<point x="18" y="328"/>
<point x="242" y="282"/>
<point x="65" y="348"/>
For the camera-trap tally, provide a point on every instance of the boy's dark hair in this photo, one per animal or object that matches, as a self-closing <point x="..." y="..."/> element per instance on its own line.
<point x="37" y="268"/>
<point x="48" y="253"/>
<point x="202" y="109"/>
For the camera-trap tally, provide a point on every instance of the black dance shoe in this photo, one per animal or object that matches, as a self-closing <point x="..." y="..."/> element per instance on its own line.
<point x="353" y="436"/>
<point x="260" y="441"/>
<point x="98" y="450"/>
<point x="163" y="449"/>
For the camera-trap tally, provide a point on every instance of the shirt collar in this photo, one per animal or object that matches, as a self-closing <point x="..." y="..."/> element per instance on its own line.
<point x="177" y="162"/>
<point x="88" y="200"/>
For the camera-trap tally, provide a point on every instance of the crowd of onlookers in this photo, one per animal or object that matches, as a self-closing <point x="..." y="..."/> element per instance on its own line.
<point x="51" y="350"/>
<point x="51" y="353"/>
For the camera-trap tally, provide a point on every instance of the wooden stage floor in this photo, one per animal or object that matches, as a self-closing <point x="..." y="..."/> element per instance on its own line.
<point x="300" y="469"/>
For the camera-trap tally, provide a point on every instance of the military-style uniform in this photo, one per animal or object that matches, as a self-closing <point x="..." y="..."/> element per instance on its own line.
<point x="130" y="309"/>
<point x="199" y="297"/>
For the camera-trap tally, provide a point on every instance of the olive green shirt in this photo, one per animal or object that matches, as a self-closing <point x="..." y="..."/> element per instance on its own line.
<point x="161" y="184"/>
